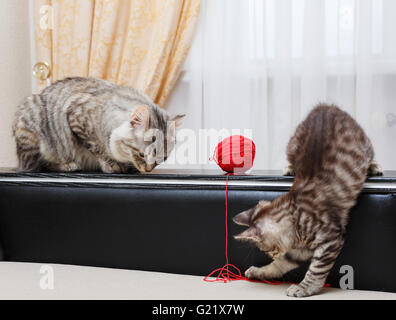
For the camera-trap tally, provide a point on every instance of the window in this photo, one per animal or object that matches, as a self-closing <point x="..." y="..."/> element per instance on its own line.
<point x="261" y="65"/>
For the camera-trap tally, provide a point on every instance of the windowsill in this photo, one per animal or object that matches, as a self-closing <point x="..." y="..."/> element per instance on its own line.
<point x="255" y="179"/>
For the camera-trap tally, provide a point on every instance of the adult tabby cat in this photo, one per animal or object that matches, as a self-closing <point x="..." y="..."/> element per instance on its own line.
<point x="331" y="156"/>
<point x="89" y="124"/>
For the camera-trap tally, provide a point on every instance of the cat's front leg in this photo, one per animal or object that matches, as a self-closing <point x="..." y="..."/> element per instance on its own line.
<point x="69" y="167"/>
<point x="276" y="269"/>
<point x="110" y="166"/>
<point x="322" y="261"/>
<point x="289" y="170"/>
<point x="374" y="169"/>
<point x="106" y="165"/>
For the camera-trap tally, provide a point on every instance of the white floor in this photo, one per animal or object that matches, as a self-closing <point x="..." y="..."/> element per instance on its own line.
<point x="25" y="281"/>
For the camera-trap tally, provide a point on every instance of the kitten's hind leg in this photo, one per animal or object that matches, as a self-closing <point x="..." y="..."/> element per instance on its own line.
<point x="322" y="261"/>
<point x="276" y="269"/>
<point x="28" y="150"/>
<point x="289" y="170"/>
<point x="374" y="169"/>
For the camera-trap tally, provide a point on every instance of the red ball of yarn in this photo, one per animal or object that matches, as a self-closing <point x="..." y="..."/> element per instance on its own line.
<point x="235" y="154"/>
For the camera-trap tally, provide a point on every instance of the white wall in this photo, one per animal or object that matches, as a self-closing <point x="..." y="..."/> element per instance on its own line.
<point x="15" y="70"/>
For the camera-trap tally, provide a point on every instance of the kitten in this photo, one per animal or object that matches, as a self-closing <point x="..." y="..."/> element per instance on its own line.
<point x="331" y="156"/>
<point x="89" y="124"/>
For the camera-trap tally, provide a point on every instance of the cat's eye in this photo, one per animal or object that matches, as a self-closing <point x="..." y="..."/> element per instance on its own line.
<point x="141" y="154"/>
<point x="153" y="139"/>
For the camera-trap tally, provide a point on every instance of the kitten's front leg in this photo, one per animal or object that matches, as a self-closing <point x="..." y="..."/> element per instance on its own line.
<point x="106" y="165"/>
<point x="69" y="167"/>
<point x="289" y="170"/>
<point x="110" y="166"/>
<point x="276" y="269"/>
<point x="322" y="261"/>
<point x="374" y="169"/>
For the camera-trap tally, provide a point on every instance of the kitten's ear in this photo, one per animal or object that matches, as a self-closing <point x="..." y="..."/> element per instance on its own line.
<point x="249" y="234"/>
<point x="244" y="218"/>
<point x="141" y="117"/>
<point x="178" y="120"/>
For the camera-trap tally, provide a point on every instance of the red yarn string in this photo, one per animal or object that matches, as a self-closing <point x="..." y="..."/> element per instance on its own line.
<point x="224" y="274"/>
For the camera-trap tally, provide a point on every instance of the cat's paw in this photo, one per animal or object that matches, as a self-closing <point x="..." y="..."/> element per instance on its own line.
<point x="298" y="291"/>
<point x="289" y="170"/>
<point x="264" y="273"/>
<point x="253" y="273"/>
<point x="375" y="170"/>
<point x="69" y="167"/>
<point x="111" y="167"/>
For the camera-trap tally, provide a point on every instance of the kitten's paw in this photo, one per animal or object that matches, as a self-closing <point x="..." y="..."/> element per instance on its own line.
<point x="111" y="167"/>
<point x="375" y="170"/>
<point x="289" y="170"/>
<point x="264" y="273"/>
<point x="69" y="167"/>
<point x="253" y="273"/>
<point x="298" y="291"/>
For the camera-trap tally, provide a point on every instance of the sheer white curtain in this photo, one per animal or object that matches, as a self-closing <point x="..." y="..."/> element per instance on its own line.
<point x="262" y="65"/>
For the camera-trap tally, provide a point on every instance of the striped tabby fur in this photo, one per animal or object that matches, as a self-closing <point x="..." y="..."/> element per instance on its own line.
<point x="330" y="156"/>
<point x="90" y="124"/>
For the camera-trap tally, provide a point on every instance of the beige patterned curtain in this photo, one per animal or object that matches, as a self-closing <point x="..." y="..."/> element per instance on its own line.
<point x="140" y="43"/>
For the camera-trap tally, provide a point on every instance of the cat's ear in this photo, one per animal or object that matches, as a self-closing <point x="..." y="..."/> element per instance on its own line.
<point x="178" y="120"/>
<point x="141" y="117"/>
<point x="249" y="234"/>
<point x="246" y="217"/>
<point x="173" y="123"/>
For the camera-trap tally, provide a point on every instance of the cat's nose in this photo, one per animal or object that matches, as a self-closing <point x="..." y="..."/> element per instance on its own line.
<point x="149" y="167"/>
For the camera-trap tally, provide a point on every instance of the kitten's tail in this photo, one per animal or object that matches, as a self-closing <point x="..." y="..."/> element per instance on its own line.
<point x="313" y="156"/>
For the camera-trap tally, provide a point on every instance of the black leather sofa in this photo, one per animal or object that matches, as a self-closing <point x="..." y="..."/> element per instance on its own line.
<point x="174" y="222"/>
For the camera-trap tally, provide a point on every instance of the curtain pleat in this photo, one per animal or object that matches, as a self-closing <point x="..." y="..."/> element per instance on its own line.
<point x="140" y="43"/>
